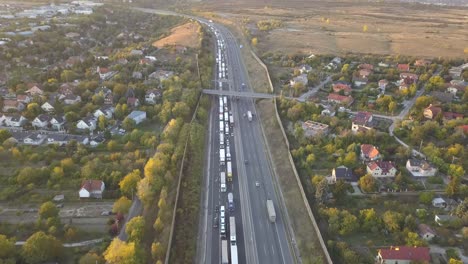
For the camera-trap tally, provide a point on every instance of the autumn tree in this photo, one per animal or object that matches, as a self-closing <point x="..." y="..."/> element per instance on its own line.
<point x="370" y="221"/>
<point x="414" y="240"/>
<point x="40" y="248"/>
<point x="157" y="250"/>
<point x="393" y="220"/>
<point x="129" y="183"/>
<point x="120" y="252"/>
<point x="4" y="135"/>
<point x="91" y="258"/>
<point x="367" y="183"/>
<point x="122" y="205"/>
<point x="135" y="229"/>
<point x="426" y="197"/>
<point x="7" y="250"/>
<point x="254" y="42"/>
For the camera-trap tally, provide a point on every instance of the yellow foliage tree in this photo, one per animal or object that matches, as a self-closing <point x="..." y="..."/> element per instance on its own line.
<point x="120" y="252"/>
<point x="254" y="42"/>
<point x="364" y="28"/>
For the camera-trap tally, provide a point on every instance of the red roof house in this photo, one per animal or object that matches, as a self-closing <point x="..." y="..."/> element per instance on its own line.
<point x="403" y="254"/>
<point x="92" y="189"/>
<point x="403" y="67"/>
<point x="432" y="111"/>
<point x="381" y="169"/>
<point x="340" y="99"/>
<point x="369" y="152"/>
<point x="338" y="86"/>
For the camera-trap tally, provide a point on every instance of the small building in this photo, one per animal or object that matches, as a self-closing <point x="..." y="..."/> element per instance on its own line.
<point x="34" y="89"/>
<point x="151" y="96"/>
<point x="340" y="99"/>
<point x="41" y="121"/>
<point x="305" y="68"/>
<point x="99" y="139"/>
<point x="35" y="139"/>
<point x="342" y="86"/>
<point x="92" y="189"/>
<point x="23" y="98"/>
<point x="439" y="202"/>
<point x="87" y="123"/>
<point x="300" y="79"/>
<point x="57" y="122"/>
<point x="431" y="111"/>
<point x="364" y="73"/>
<point x="447" y="116"/>
<point x="137" y="116"/>
<point x="443" y="220"/>
<point x="328" y="111"/>
<point x="15" y="121"/>
<point x="410" y="77"/>
<point x="403" y="255"/>
<point x="369" y="152"/>
<point x="12" y="105"/>
<point x="71" y="99"/>
<point x="161" y="75"/>
<point x="420" y="168"/>
<point x="341" y="173"/>
<point x="106" y="111"/>
<point x="403" y="67"/>
<point x="312" y="129"/>
<point x="366" y="66"/>
<point x="422" y="63"/>
<point x="47" y="107"/>
<point x="383" y="84"/>
<point x="359" y="81"/>
<point x="133" y="102"/>
<point x="362" y="121"/>
<point x="381" y="169"/>
<point x="426" y="232"/>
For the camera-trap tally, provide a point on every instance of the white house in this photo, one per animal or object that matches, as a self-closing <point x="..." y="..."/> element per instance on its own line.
<point x="87" y="123"/>
<point x="362" y="121"/>
<point x="439" y="202"/>
<point x="71" y="99"/>
<point x="59" y="139"/>
<point x="41" y="121"/>
<point x="34" y="139"/>
<point x="137" y="116"/>
<point x="47" y="107"/>
<point x="380" y="169"/>
<point x="152" y="96"/>
<point x="420" y="168"/>
<point x="15" y="121"/>
<point x="106" y="111"/>
<point x="92" y="189"/>
<point x="97" y="140"/>
<point x="300" y="79"/>
<point x="57" y="122"/>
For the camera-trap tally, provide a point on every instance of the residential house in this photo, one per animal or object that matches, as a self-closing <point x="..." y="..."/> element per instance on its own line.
<point x="72" y="61"/>
<point x="383" y="64"/>
<point x="84" y="140"/>
<point x="403" y="67"/>
<point x="453" y="90"/>
<point x="456" y="72"/>
<point x="340" y="99"/>
<point x="41" y="121"/>
<point x="439" y="202"/>
<point x="12" y="105"/>
<point x="341" y="173"/>
<point x="362" y="121"/>
<point x="328" y="111"/>
<point x="35" y="139"/>
<point x="411" y="77"/>
<point x="88" y="123"/>
<point x="447" y="116"/>
<point x="336" y="61"/>
<point x="151" y="96"/>
<point x="432" y="111"/>
<point x="23" y="98"/>
<point x="71" y="99"/>
<point x="369" y="152"/>
<point x="47" y="107"/>
<point x="420" y="168"/>
<point x="364" y="73"/>
<point x="137" y="75"/>
<point x="422" y="63"/>
<point x="66" y="89"/>
<point x="312" y="129"/>
<point x="426" y="232"/>
<point x="106" y="111"/>
<point x="59" y="139"/>
<point x="342" y="86"/>
<point x="161" y="75"/>
<point x="463" y="129"/>
<point x="104" y="73"/>
<point x="381" y="169"/>
<point x="305" y="68"/>
<point x="137" y="116"/>
<point x="383" y="84"/>
<point x="102" y="91"/>
<point x="366" y="66"/>
<point x="15" y="121"/>
<point x="443" y="220"/>
<point x="359" y="81"/>
<point x="57" y="122"/>
<point x="299" y="79"/>
<point x="109" y="99"/>
<point x="34" y="89"/>
<point x="92" y="189"/>
<point x="403" y="255"/>
<point x="133" y="102"/>
<point x="95" y="141"/>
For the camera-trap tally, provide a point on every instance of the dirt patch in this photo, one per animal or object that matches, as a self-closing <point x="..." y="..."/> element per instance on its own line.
<point x="185" y="35"/>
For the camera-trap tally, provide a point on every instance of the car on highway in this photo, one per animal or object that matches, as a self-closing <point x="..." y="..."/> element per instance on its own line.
<point x="215" y="221"/>
<point x="257" y="184"/>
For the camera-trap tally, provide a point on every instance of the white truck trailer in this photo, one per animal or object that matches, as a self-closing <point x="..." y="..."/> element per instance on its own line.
<point x="271" y="210"/>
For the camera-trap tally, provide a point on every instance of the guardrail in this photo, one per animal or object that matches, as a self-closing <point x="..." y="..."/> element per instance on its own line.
<point x="309" y="210"/>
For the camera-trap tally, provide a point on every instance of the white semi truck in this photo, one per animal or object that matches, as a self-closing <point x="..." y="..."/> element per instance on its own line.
<point x="249" y="115"/>
<point x="271" y="210"/>
<point x="223" y="181"/>
<point x="224" y="252"/>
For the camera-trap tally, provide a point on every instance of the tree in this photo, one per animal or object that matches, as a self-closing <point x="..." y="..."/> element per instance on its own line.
<point x="452" y="253"/>
<point x="128" y="124"/>
<point x="7" y="249"/>
<point x="413" y="239"/>
<point x="67" y="76"/>
<point x="112" y="145"/>
<point x="340" y="190"/>
<point x="254" y="42"/>
<point x="4" y="135"/>
<point x="91" y="258"/>
<point x="157" y="250"/>
<point x="102" y="122"/>
<point x="120" y="252"/>
<point x="452" y="260"/>
<point x="135" y="229"/>
<point x="129" y="183"/>
<point x="370" y="221"/>
<point x="393" y="220"/>
<point x="122" y="205"/>
<point x="392" y="106"/>
<point x="180" y="109"/>
<point x="462" y="209"/>
<point x="453" y="187"/>
<point x="367" y="183"/>
<point x="310" y="159"/>
<point x="32" y="110"/>
<point x="426" y="197"/>
<point x="158" y="224"/>
<point x="350" y="159"/>
<point x="47" y="210"/>
<point x="41" y="248"/>
<point x="321" y="191"/>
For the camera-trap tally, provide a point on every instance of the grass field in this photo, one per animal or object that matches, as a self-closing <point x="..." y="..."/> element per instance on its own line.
<point x="339" y="27"/>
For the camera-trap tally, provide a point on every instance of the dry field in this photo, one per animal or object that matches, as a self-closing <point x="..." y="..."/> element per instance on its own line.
<point x="185" y="35"/>
<point x="332" y="27"/>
